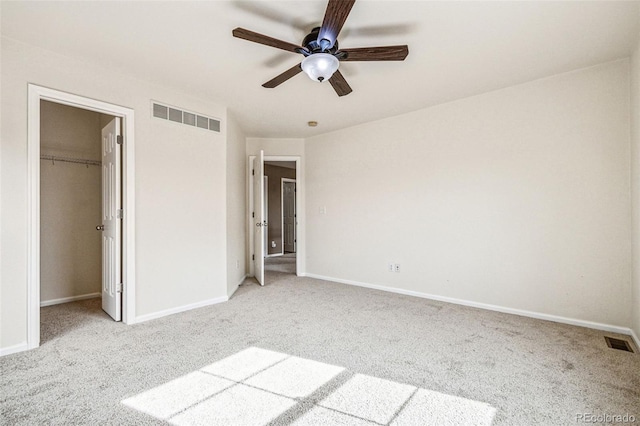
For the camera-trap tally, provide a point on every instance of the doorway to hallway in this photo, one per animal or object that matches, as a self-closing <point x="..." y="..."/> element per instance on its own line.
<point x="281" y="203"/>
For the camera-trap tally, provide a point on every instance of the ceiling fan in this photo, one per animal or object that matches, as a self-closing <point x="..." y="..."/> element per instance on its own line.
<point x="321" y="52"/>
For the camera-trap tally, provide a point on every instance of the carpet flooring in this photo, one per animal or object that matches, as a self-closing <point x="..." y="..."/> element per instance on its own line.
<point x="285" y="263"/>
<point x="305" y="351"/>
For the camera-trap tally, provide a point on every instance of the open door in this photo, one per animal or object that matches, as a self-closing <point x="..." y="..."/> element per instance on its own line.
<point x="258" y="216"/>
<point x="111" y="221"/>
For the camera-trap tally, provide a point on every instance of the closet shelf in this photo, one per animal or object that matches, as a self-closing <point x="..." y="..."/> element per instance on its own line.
<point x="55" y="158"/>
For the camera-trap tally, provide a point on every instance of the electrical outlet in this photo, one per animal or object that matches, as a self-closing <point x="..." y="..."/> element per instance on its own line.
<point x="396" y="267"/>
<point x="390" y="267"/>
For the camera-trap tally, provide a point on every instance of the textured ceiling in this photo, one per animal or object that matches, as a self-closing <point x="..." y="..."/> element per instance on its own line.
<point x="456" y="49"/>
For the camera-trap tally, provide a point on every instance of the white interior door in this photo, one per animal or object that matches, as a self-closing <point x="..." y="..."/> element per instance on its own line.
<point x="111" y="221"/>
<point x="289" y="215"/>
<point x="258" y="216"/>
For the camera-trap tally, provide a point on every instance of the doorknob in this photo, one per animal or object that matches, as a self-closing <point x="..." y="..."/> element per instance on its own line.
<point x="100" y="228"/>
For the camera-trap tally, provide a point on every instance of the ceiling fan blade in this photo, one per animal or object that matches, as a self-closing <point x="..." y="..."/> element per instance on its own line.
<point x="386" y="53"/>
<point x="291" y="72"/>
<point x="339" y="84"/>
<point x="266" y="40"/>
<point x="334" y="17"/>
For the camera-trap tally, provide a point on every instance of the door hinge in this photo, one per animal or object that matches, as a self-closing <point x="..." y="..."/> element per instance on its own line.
<point x="119" y="288"/>
<point x="253" y="214"/>
<point x="119" y="214"/>
<point x="253" y="257"/>
<point x="119" y="139"/>
<point x="253" y="172"/>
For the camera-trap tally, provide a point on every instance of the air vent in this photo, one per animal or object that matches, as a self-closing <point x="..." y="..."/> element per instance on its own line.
<point x="160" y="111"/>
<point x="175" y="115"/>
<point x="619" y="344"/>
<point x="189" y="118"/>
<point x="185" y="117"/>
<point x="202" y="122"/>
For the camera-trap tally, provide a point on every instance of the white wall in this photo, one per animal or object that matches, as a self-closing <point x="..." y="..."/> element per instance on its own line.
<point x="180" y="186"/>
<point x="236" y="205"/>
<point x="635" y="187"/>
<point x="70" y="203"/>
<point x="274" y="146"/>
<point x="284" y="147"/>
<point x="517" y="198"/>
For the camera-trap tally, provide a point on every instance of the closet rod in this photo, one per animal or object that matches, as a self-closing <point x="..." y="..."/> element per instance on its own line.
<point x="55" y="158"/>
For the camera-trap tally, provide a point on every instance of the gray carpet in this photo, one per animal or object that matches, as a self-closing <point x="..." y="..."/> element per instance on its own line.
<point x="440" y="355"/>
<point x="285" y="263"/>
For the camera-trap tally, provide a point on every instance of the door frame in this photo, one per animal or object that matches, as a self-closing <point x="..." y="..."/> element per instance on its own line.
<point x="295" y="196"/>
<point x="35" y="95"/>
<point x="300" y="248"/>
<point x="265" y="198"/>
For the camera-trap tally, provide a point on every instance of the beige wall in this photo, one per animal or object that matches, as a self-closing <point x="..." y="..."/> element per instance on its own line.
<point x="236" y="205"/>
<point x="635" y="188"/>
<point x="70" y="203"/>
<point x="517" y="198"/>
<point x="274" y="192"/>
<point x="180" y="187"/>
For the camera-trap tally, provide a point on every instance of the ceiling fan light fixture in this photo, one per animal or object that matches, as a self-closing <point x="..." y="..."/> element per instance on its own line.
<point x="320" y="66"/>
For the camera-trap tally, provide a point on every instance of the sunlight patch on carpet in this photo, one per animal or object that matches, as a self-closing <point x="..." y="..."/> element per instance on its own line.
<point x="324" y="416"/>
<point x="369" y="398"/>
<point x="240" y="405"/>
<point x="295" y="377"/>
<point x="257" y="386"/>
<point x="172" y="397"/>
<point x="244" y="364"/>
<point x="434" y="408"/>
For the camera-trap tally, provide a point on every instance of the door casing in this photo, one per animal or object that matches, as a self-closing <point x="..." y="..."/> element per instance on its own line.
<point x="35" y="95"/>
<point x="282" y="182"/>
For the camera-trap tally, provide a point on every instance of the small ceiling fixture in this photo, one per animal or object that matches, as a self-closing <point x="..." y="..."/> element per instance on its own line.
<point x="312" y="123"/>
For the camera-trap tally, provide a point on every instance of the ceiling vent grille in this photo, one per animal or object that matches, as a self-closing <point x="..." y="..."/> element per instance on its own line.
<point x="192" y="119"/>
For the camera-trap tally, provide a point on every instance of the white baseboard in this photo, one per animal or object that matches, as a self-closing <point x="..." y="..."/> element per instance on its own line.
<point x="635" y="338"/>
<point x="530" y="314"/>
<point x="69" y="299"/>
<point x="274" y="255"/>
<point x="20" y="347"/>
<point x="176" y="310"/>
<point x="244" y="277"/>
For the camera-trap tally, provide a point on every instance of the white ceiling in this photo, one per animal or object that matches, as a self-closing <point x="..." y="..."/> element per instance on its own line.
<point x="456" y="49"/>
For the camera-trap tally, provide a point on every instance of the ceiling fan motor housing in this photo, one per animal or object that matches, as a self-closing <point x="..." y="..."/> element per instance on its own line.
<point x="313" y="45"/>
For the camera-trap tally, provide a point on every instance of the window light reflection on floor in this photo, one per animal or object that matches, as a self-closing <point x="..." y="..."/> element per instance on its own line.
<point x="257" y="386"/>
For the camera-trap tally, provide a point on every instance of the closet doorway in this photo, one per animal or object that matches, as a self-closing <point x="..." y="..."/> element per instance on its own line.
<point x="81" y="205"/>
<point x="71" y="190"/>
